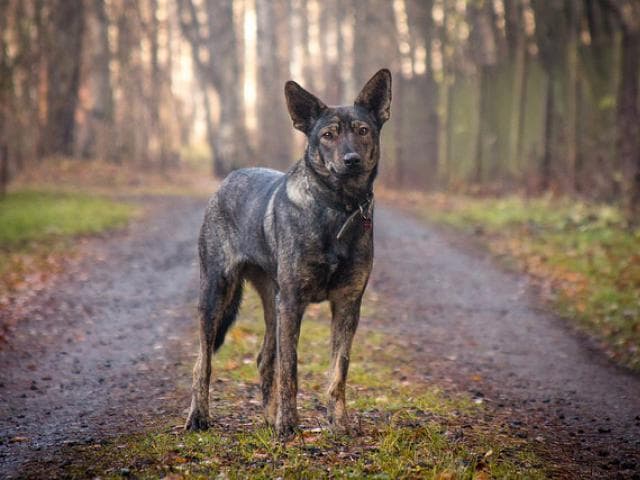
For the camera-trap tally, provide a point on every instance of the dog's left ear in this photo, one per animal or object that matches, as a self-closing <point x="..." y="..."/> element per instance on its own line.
<point x="376" y="96"/>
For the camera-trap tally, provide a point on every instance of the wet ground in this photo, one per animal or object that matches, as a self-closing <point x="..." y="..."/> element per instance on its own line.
<point x="103" y="348"/>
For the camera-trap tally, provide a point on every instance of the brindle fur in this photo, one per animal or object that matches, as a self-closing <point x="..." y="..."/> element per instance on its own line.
<point x="278" y="230"/>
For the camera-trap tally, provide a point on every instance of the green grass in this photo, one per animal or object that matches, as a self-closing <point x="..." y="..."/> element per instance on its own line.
<point x="401" y="428"/>
<point x="38" y="230"/>
<point x="585" y="252"/>
<point x="27" y="216"/>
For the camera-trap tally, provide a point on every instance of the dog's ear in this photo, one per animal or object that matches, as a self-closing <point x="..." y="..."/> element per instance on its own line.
<point x="376" y="96"/>
<point x="303" y="106"/>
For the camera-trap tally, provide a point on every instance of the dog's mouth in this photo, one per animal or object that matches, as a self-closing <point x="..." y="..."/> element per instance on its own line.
<point x="346" y="172"/>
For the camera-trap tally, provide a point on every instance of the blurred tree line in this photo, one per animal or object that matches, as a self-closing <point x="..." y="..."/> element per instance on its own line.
<point x="88" y="79"/>
<point x="489" y="95"/>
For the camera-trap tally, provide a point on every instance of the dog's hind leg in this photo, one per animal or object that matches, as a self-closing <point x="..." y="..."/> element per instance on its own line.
<point x="219" y="299"/>
<point x="345" y="316"/>
<point x="267" y="356"/>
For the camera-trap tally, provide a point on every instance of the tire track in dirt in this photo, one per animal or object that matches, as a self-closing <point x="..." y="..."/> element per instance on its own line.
<point x="472" y="322"/>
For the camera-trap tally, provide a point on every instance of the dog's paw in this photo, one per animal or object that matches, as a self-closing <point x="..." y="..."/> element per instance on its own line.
<point x="271" y="413"/>
<point x="270" y="421"/>
<point x="337" y="417"/>
<point x="286" y="432"/>
<point x="286" y="428"/>
<point x="196" y="420"/>
<point x="339" y="425"/>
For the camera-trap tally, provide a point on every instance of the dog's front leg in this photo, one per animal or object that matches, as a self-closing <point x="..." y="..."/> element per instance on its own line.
<point x="345" y="315"/>
<point x="289" y="316"/>
<point x="267" y="355"/>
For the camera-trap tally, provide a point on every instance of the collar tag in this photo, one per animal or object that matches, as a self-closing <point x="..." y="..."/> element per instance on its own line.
<point x="364" y="209"/>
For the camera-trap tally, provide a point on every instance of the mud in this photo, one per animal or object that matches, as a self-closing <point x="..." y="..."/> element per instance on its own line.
<point x="103" y="351"/>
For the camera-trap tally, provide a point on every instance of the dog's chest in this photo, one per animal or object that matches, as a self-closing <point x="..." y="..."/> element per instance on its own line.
<point x="326" y="266"/>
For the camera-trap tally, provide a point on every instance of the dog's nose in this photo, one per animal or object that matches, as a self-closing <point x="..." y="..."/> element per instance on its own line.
<point x="351" y="159"/>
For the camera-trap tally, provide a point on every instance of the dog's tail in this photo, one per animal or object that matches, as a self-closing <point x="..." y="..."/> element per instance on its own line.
<point x="228" y="317"/>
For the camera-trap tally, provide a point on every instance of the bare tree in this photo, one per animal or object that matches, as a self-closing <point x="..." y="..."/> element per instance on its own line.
<point x="485" y="54"/>
<point x="628" y="114"/>
<point x="550" y="38"/>
<point x="221" y="70"/>
<point x="64" y="44"/>
<point x="518" y="55"/>
<point x="95" y="139"/>
<point x="272" y="73"/>
<point x="421" y="20"/>
<point x="5" y="97"/>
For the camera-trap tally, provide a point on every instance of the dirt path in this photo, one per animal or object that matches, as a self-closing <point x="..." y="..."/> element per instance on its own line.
<point x="482" y="329"/>
<point x="96" y="356"/>
<point x="106" y="359"/>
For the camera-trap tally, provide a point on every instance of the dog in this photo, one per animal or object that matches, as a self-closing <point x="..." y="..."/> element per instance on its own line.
<point x="299" y="237"/>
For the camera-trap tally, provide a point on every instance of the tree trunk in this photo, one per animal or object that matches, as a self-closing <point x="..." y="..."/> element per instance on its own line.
<point x="63" y="74"/>
<point x="4" y="168"/>
<point x="445" y="102"/>
<point x="397" y="173"/>
<point x="517" y="54"/>
<point x="430" y="95"/>
<point x="485" y="53"/>
<point x="272" y="115"/>
<point x="98" y="133"/>
<point x="223" y="53"/>
<point x="628" y="121"/>
<point x="307" y="71"/>
<point x="522" y="110"/>
<point x="572" y="99"/>
<point x="361" y="42"/>
<point x="552" y="38"/>
<point x="5" y="93"/>
<point x="131" y="145"/>
<point x="545" y="166"/>
<point x="484" y="133"/>
<point x="341" y="61"/>
<point x="157" y="150"/>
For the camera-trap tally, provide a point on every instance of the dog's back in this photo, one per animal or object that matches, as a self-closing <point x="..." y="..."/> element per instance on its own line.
<point x="234" y="218"/>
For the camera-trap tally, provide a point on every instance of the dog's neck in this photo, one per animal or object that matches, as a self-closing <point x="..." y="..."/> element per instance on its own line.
<point x="340" y="194"/>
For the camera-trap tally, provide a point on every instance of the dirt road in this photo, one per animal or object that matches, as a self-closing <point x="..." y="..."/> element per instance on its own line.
<point x="484" y="329"/>
<point x="96" y="355"/>
<point x="101" y="350"/>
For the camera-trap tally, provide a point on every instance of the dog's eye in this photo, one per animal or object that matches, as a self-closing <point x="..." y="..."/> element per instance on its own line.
<point x="327" y="135"/>
<point x="363" y="131"/>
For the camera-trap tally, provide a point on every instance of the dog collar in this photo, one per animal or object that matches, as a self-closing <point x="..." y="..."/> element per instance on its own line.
<point x="364" y="210"/>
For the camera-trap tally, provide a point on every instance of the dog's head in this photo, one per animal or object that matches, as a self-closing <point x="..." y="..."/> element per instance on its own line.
<point x="343" y="142"/>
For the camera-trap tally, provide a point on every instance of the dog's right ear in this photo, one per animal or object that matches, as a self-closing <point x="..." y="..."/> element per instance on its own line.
<point x="303" y="106"/>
